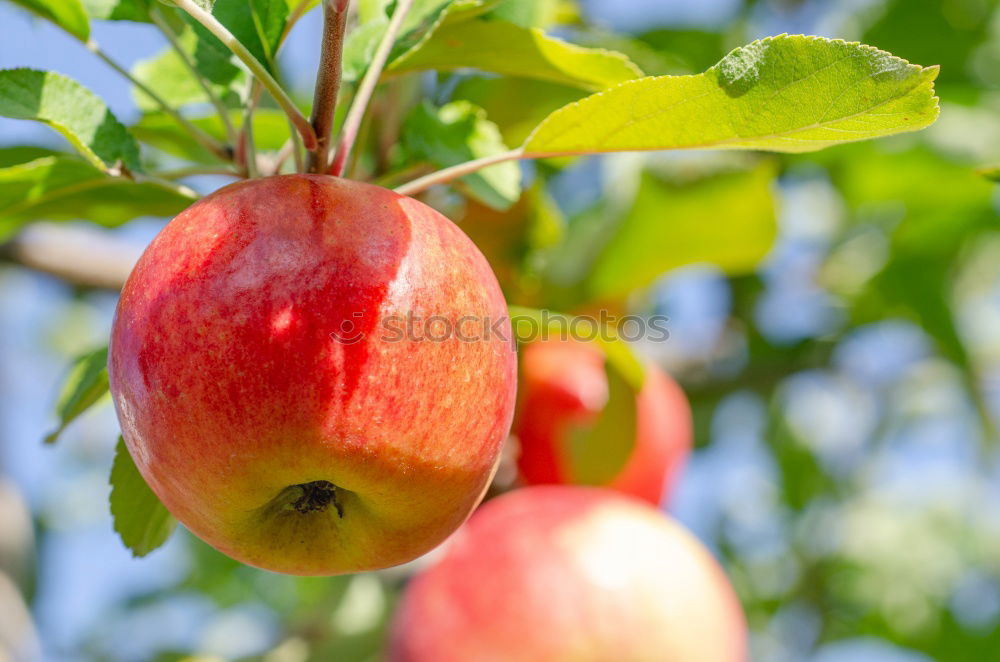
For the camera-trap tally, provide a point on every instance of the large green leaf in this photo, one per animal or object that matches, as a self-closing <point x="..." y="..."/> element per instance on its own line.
<point x="72" y="110"/>
<point x="270" y="131"/>
<point x="67" y="14"/>
<point x="139" y="517"/>
<point x="86" y="384"/>
<point x="784" y="94"/>
<point x="506" y="48"/>
<point x="727" y="220"/>
<point x="57" y="188"/>
<point x="459" y="132"/>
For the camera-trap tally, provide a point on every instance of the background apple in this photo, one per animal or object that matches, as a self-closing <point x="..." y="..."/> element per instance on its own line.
<point x="271" y="400"/>
<point x="560" y="573"/>
<point x="564" y="385"/>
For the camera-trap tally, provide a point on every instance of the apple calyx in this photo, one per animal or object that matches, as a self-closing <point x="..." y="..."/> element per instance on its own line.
<point x="316" y="496"/>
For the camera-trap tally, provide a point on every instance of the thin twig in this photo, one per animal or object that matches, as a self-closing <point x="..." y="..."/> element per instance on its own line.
<point x="207" y="141"/>
<point x="352" y="123"/>
<point x="256" y="68"/>
<point x="179" y="189"/>
<point x="454" y="172"/>
<point x="168" y="32"/>
<point x="246" y="135"/>
<point x="279" y="159"/>
<point x="328" y="81"/>
<point x="192" y="171"/>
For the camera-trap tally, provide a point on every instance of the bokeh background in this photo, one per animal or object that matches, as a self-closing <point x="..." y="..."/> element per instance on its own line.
<point x="846" y="390"/>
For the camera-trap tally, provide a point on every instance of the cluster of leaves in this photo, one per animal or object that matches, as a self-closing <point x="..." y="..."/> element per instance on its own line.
<point x="505" y="89"/>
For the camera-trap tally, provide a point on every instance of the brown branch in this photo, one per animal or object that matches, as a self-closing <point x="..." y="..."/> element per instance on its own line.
<point x="82" y="256"/>
<point x="328" y="81"/>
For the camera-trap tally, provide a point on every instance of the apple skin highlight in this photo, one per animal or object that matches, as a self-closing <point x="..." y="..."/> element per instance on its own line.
<point x="266" y="401"/>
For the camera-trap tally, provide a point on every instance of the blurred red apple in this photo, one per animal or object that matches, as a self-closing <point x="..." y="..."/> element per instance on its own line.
<point x="570" y="574"/>
<point x="564" y="386"/>
<point x="268" y="392"/>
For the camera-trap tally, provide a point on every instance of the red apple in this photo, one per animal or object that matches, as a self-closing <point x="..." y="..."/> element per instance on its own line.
<point x="564" y="386"/>
<point x="570" y="574"/>
<point x="272" y="400"/>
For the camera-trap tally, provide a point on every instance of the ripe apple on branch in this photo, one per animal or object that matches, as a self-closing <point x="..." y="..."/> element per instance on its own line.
<point x="249" y="416"/>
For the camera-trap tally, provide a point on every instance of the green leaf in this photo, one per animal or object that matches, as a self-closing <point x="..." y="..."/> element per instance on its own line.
<point x="424" y="17"/>
<point x="72" y="110"/>
<point x="140" y="519"/>
<point x="67" y="14"/>
<point x="294" y="4"/>
<point x="727" y="220"/>
<point x="86" y="384"/>
<point x="990" y="172"/>
<point x="253" y="25"/>
<point x="598" y="452"/>
<point x="10" y="156"/>
<point x="459" y="132"/>
<point x="506" y="48"/>
<point x="269" y="17"/>
<point x="58" y="188"/>
<point x="531" y="324"/>
<point x="516" y="120"/>
<point x="118" y="10"/>
<point x="167" y="75"/>
<point x="528" y="13"/>
<point x="783" y="94"/>
<point x="270" y="131"/>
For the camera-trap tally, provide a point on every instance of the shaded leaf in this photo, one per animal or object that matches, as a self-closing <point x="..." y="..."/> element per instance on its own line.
<point x="118" y="10"/>
<point x="598" y="452"/>
<point x="167" y="75"/>
<point x="785" y="94"/>
<point x="72" y="110"/>
<point x="10" y="156"/>
<point x="506" y="48"/>
<point x="727" y="220"/>
<point x="991" y="172"/>
<point x="270" y="131"/>
<point x="252" y="25"/>
<point x="424" y="17"/>
<point x="459" y="132"/>
<point x="269" y="17"/>
<point x="86" y="384"/>
<point x="67" y="14"/>
<point x="140" y="519"/>
<point x="531" y="324"/>
<point x="528" y="13"/>
<point x="58" y="188"/>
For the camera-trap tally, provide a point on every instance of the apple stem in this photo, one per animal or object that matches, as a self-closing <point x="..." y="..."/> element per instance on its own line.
<point x="352" y="123"/>
<point x="220" y="31"/>
<point x="454" y="172"/>
<point x="328" y="81"/>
